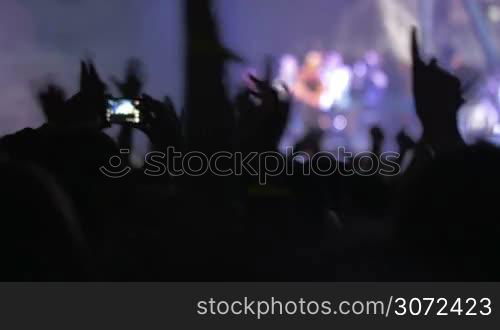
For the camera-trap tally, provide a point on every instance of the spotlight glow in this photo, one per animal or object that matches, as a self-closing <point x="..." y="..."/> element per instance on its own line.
<point x="340" y="122"/>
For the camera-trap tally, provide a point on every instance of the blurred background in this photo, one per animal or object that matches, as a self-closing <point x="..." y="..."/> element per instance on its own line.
<point x="363" y="45"/>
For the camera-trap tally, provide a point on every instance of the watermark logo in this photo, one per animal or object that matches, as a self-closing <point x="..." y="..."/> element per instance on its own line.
<point x="262" y="165"/>
<point x="115" y="169"/>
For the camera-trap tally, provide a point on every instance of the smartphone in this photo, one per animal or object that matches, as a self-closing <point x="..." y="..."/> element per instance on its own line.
<point x="121" y="110"/>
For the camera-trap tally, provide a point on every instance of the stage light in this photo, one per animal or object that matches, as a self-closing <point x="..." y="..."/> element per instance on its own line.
<point x="496" y="129"/>
<point x="494" y="13"/>
<point x="478" y="120"/>
<point x="372" y="58"/>
<point x="340" y="122"/>
<point x="360" y="69"/>
<point x="380" y="79"/>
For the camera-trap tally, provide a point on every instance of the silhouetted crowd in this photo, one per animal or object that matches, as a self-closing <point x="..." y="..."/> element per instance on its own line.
<point x="63" y="220"/>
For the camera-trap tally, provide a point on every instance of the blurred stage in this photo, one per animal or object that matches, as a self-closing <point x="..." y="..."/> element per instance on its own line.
<point x="363" y="63"/>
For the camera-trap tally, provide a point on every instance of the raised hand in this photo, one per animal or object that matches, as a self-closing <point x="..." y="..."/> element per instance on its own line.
<point x="160" y="123"/>
<point x="88" y="107"/>
<point x="263" y="113"/>
<point x="438" y="96"/>
<point x="91" y="85"/>
<point x="52" y="99"/>
<point x="131" y="86"/>
<point x="209" y="115"/>
<point x="377" y="139"/>
<point x="405" y="142"/>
